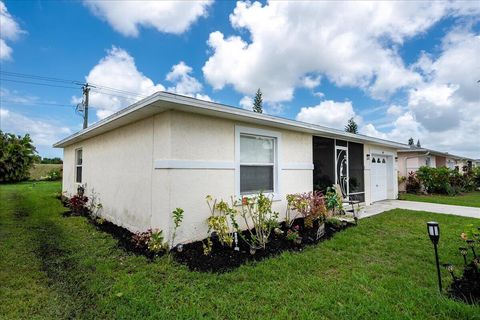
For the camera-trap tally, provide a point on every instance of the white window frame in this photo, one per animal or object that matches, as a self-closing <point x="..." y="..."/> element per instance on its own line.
<point x="78" y="165"/>
<point x="241" y="130"/>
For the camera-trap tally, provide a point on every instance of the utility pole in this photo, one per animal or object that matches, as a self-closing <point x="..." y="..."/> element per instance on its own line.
<point x="86" y="90"/>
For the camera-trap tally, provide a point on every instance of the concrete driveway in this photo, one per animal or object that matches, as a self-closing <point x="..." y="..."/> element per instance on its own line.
<point x="382" y="206"/>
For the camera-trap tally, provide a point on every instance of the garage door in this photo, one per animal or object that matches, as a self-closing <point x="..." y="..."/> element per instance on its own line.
<point x="378" y="171"/>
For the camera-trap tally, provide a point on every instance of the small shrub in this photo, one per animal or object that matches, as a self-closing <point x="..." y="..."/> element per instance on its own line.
<point x="258" y="212"/>
<point x="333" y="222"/>
<point x="333" y="201"/>
<point x="78" y="204"/>
<point x="310" y="205"/>
<point x="177" y="219"/>
<point x="293" y="234"/>
<point x="413" y="184"/>
<point x="151" y="240"/>
<point x="53" y="175"/>
<point x="218" y="222"/>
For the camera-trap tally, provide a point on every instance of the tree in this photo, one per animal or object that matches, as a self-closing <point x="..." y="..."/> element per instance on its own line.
<point x="418" y="144"/>
<point x="410" y="142"/>
<point x="17" y="155"/>
<point x="257" y="102"/>
<point x="351" y="126"/>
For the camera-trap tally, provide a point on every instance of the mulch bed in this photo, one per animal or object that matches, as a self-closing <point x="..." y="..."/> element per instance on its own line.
<point x="467" y="288"/>
<point x="221" y="259"/>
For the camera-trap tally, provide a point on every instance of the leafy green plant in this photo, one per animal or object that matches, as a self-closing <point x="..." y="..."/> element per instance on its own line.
<point x="177" y="220"/>
<point x="17" y="156"/>
<point x="310" y="205"/>
<point x="292" y="234"/>
<point x="333" y="222"/>
<point x="333" y="201"/>
<point x="259" y="218"/>
<point x="218" y="221"/>
<point x="413" y="184"/>
<point x="151" y="240"/>
<point x="53" y="175"/>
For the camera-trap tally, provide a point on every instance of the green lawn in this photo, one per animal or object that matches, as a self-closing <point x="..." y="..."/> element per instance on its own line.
<point x="55" y="267"/>
<point x="471" y="199"/>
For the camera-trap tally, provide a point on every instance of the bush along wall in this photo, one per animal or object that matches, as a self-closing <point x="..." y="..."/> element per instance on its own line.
<point x="467" y="286"/>
<point x="308" y="220"/>
<point x="443" y="180"/>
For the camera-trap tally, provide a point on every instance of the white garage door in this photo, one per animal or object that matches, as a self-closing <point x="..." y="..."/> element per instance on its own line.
<point x="378" y="171"/>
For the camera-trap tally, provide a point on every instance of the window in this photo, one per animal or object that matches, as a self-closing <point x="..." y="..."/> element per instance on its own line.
<point x="427" y="161"/>
<point x="256" y="161"/>
<point x="78" y="165"/>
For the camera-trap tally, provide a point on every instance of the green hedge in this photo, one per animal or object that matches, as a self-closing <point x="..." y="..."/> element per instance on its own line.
<point x="447" y="181"/>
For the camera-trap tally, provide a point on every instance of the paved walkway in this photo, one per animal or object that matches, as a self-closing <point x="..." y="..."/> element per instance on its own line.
<point x="381" y="206"/>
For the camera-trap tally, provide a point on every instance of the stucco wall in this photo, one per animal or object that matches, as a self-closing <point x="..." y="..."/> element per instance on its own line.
<point x="211" y="141"/>
<point x="118" y="166"/>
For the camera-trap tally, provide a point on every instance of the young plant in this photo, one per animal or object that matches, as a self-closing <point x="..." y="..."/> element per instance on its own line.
<point x="151" y="240"/>
<point x="218" y="222"/>
<point x="333" y="201"/>
<point x="177" y="219"/>
<point x="293" y="234"/>
<point x="310" y="205"/>
<point x="207" y="247"/>
<point x="78" y="204"/>
<point x="259" y="218"/>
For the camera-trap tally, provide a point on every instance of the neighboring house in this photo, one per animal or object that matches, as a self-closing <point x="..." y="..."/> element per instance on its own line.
<point x="169" y="151"/>
<point x="411" y="159"/>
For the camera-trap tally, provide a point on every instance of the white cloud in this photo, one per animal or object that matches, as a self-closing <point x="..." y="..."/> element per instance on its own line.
<point x="443" y="111"/>
<point x="246" y="103"/>
<point x="43" y="132"/>
<point x="311" y="82"/>
<point x="10" y="30"/>
<point x="127" y="17"/>
<point x="394" y="110"/>
<point x="329" y="113"/>
<point x="349" y="45"/>
<point x="185" y="84"/>
<point x="118" y="70"/>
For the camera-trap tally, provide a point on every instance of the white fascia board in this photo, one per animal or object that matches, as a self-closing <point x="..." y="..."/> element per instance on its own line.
<point x="162" y="101"/>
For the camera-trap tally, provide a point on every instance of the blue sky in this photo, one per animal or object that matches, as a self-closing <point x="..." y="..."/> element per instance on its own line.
<point x="400" y="69"/>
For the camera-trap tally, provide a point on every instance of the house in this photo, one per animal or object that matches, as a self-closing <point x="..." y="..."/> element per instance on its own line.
<point x="412" y="158"/>
<point x="168" y="151"/>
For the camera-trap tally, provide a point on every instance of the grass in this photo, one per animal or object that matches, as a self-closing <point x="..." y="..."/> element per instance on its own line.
<point x="470" y="199"/>
<point x="55" y="267"/>
<point x="40" y="170"/>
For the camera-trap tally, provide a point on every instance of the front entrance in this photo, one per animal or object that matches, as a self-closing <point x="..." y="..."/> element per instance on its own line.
<point x="378" y="174"/>
<point x="339" y="162"/>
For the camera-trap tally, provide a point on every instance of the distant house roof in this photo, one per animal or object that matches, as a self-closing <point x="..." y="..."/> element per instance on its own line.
<point x="163" y="101"/>
<point x="414" y="149"/>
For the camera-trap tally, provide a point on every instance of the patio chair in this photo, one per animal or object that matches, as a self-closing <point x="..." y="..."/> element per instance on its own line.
<point x="349" y="200"/>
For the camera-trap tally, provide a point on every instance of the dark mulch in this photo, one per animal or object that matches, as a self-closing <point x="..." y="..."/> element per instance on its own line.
<point x="223" y="259"/>
<point x="467" y="288"/>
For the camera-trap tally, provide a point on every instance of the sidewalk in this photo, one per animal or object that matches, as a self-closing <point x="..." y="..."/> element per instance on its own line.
<point x="382" y="206"/>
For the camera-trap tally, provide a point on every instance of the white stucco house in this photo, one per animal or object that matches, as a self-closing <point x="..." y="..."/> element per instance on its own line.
<point x="168" y="151"/>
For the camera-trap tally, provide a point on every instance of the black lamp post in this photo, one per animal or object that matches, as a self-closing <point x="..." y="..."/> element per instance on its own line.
<point x="434" y="234"/>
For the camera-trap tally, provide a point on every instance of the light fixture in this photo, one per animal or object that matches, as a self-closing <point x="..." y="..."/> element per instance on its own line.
<point x="368" y="156"/>
<point x="180" y="247"/>
<point x="464" y="252"/>
<point x="434" y="233"/>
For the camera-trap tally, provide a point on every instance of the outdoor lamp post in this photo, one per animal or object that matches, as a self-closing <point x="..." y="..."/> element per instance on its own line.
<point x="464" y="252"/>
<point x="434" y="234"/>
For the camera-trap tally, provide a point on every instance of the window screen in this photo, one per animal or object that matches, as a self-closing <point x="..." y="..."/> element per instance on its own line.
<point x="356" y="170"/>
<point x="323" y="163"/>
<point x="78" y="165"/>
<point x="257" y="163"/>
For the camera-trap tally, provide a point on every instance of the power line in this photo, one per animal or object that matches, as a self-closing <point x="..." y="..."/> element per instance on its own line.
<point x="38" y="83"/>
<point x="32" y="76"/>
<point x="36" y="103"/>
